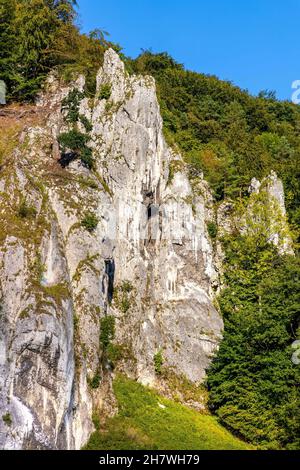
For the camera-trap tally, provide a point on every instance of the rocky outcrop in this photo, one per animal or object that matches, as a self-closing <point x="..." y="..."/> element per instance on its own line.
<point x="263" y="214"/>
<point x="149" y="264"/>
<point x="266" y="209"/>
<point x="160" y="245"/>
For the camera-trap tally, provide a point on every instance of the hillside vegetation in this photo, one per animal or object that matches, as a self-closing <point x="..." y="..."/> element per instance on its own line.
<point x="38" y="36"/>
<point x="148" y="421"/>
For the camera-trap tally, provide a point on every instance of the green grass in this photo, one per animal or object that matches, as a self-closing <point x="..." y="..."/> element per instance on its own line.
<point x="147" y="421"/>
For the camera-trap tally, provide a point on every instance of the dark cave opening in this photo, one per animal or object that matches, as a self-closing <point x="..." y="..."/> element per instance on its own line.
<point x="110" y="272"/>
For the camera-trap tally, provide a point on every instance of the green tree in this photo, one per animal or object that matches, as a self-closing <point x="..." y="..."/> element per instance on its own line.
<point x="35" y="26"/>
<point x="253" y="382"/>
<point x="39" y="35"/>
<point x="7" y="38"/>
<point x="64" y="9"/>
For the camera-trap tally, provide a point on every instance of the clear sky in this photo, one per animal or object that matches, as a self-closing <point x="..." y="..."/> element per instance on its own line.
<point x="253" y="43"/>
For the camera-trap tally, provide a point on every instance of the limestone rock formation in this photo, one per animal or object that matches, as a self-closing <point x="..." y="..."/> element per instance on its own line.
<point x="149" y="263"/>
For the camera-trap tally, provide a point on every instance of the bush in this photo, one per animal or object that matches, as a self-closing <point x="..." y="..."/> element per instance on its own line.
<point x="73" y="140"/>
<point x="7" y="419"/>
<point x="122" y="297"/>
<point x="107" y="331"/>
<point x="71" y="104"/>
<point x="76" y="142"/>
<point x="115" y="352"/>
<point x="127" y="287"/>
<point x="94" y="382"/>
<point x="105" y="92"/>
<point x="87" y="182"/>
<point x="158" y="362"/>
<point x="86" y="158"/>
<point x="212" y="230"/>
<point x="125" y="304"/>
<point x="87" y="124"/>
<point x="26" y="211"/>
<point x="90" y="222"/>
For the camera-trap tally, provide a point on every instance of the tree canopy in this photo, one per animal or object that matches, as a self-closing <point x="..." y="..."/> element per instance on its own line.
<point x="254" y="385"/>
<point x="37" y="36"/>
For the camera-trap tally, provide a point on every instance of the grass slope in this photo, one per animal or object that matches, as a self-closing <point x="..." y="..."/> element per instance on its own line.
<point x="148" y="421"/>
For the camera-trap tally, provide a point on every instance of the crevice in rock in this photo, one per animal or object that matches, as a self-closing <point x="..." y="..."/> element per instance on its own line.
<point x="148" y="200"/>
<point x="129" y="116"/>
<point x="108" y="279"/>
<point x="67" y="158"/>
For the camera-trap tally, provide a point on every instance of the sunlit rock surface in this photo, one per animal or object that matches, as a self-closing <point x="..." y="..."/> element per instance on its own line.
<point x="150" y="263"/>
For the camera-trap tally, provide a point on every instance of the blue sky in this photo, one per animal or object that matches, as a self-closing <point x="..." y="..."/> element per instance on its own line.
<point x="253" y="43"/>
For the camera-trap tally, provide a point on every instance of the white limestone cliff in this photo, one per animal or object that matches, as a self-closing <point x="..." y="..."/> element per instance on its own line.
<point x="57" y="280"/>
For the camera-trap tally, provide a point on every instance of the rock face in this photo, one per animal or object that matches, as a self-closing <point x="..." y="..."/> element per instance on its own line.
<point x="267" y="208"/>
<point x="264" y="213"/>
<point x="160" y="245"/>
<point x="150" y="264"/>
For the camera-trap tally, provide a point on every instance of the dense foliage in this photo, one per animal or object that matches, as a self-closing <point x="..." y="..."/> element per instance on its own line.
<point x="90" y="222"/>
<point x="39" y="35"/>
<point x="254" y="385"/>
<point x="107" y="331"/>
